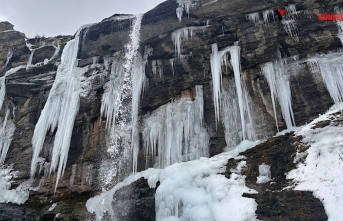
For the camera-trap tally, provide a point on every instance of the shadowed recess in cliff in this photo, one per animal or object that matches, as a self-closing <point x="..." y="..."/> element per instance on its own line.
<point x="175" y="132"/>
<point x="60" y="110"/>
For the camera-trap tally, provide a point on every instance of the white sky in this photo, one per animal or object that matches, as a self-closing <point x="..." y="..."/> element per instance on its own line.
<point x="64" y="17"/>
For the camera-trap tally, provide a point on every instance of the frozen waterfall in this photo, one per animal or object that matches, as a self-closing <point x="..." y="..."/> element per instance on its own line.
<point x="175" y="131"/>
<point x="60" y="111"/>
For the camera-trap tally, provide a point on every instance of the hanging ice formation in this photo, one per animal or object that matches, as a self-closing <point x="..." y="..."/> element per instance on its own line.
<point x="331" y="70"/>
<point x="218" y="58"/>
<point x="289" y="22"/>
<point x="279" y="84"/>
<point x="184" y="34"/>
<point x="267" y="14"/>
<point x="126" y="81"/>
<point x="175" y="131"/>
<point x="7" y="129"/>
<point x="253" y="17"/>
<point x="29" y="62"/>
<point x="184" y="5"/>
<point x="60" y="111"/>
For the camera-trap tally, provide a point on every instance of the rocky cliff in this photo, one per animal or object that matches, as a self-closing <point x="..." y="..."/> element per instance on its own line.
<point x="169" y="74"/>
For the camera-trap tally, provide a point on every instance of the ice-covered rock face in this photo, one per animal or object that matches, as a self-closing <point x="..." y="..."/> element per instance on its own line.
<point x="167" y="75"/>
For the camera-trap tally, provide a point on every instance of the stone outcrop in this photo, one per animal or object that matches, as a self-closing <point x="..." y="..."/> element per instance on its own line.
<point x="225" y="23"/>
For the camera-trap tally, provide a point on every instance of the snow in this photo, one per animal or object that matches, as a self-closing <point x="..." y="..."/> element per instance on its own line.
<point x="52" y="207"/>
<point x="193" y="190"/>
<point x="265" y="174"/>
<point x="60" y="111"/>
<point x="184" y="34"/>
<point x="279" y="84"/>
<point x="175" y="131"/>
<point x="321" y="170"/>
<point x="253" y="17"/>
<point x="7" y="195"/>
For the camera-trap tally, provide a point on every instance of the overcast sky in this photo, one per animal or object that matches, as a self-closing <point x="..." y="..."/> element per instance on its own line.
<point x="64" y="17"/>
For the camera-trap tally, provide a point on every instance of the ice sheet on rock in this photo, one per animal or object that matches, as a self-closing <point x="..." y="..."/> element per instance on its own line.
<point x="320" y="169"/>
<point x="8" y="195"/>
<point x="339" y="24"/>
<point x="193" y="189"/>
<point x="60" y="111"/>
<point x="279" y="84"/>
<point x="265" y="174"/>
<point x="175" y="131"/>
<point x="184" y="34"/>
<point x="9" y="56"/>
<point x="29" y="62"/>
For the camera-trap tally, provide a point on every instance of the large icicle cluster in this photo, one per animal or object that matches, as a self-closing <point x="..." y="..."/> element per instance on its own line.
<point x="218" y="58"/>
<point x="184" y="34"/>
<point x="60" y="111"/>
<point x="330" y="68"/>
<point x="279" y="84"/>
<point x="175" y="131"/>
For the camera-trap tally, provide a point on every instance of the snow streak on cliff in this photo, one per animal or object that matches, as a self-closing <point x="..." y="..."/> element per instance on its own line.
<point x="175" y="131"/>
<point x="60" y="111"/>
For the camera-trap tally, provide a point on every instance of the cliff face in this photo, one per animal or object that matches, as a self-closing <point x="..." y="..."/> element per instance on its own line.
<point x="169" y="75"/>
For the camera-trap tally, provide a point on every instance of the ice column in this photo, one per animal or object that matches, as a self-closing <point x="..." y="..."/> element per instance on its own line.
<point x="60" y="111"/>
<point x="218" y="58"/>
<point x="331" y="70"/>
<point x="184" y="34"/>
<point x="278" y="80"/>
<point x="7" y="129"/>
<point x="175" y="131"/>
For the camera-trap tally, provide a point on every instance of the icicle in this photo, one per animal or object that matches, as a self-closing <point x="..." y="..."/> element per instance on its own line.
<point x="291" y="10"/>
<point x="175" y="132"/>
<point x="267" y="14"/>
<point x="268" y="70"/>
<point x="9" y="56"/>
<point x="184" y="5"/>
<point x="29" y="62"/>
<point x="60" y="111"/>
<point x="183" y="34"/>
<point x="278" y="81"/>
<point x="172" y="64"/>
<point x="7" y="128"/>
<point x="331" y="70"/>
<point x="253" y="17"/>
<point x="289" y="26"/>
